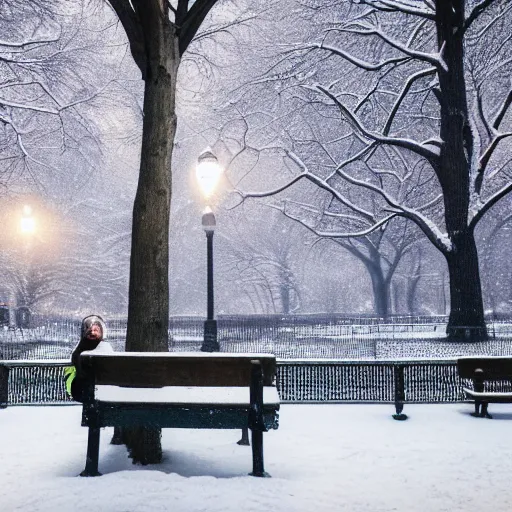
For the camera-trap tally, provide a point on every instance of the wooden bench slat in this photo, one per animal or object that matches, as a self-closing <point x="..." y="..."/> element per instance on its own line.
<point x="493" y="367"/>
<point x="136" y="369"/>
<point x="181" y="394"/>
<point x="489" y="396"/>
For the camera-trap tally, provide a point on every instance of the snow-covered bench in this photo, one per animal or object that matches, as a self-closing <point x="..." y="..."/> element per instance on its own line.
<point x="179" y="390"/>
<point x="482" y="370"/>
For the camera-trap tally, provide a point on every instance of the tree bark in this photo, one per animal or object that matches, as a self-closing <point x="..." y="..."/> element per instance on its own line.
<point x="149" y="263"/>
<point x="466" y="306"/>
<point x="381" y="289"/>
<point x="453" y="172"/>
<point x="148" y="310"/>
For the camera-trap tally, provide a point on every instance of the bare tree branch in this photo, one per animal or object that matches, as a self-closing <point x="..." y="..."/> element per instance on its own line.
<point x="434" y="59"/>
<point x="405" y="89"/>
<point x="491" y="201"/>
<point x="131" y="23"/>
<point x="338" y="234"/>
<point x="368" y="66"/>
<point x="29" y="42"/>
<point x="477" y="10"/>
<point x="502" y="111"/>
<point x="484" y="159"/>
<point x="400" y="6"/>
<point x="321" y="183"/>
<point x="189" y="25"/>
<point x="411" y="145"/>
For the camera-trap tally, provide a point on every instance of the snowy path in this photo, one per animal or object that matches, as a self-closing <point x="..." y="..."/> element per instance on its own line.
<point x="350" y="458"/>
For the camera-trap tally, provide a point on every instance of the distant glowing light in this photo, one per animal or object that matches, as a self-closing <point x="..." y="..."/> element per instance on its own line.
<point x="27" y="223"/>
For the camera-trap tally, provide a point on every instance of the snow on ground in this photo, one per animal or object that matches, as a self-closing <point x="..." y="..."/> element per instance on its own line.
<point x="348" y="457"/>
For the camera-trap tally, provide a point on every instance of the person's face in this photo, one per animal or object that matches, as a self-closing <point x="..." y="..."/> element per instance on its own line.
<point x="94" y="332"/>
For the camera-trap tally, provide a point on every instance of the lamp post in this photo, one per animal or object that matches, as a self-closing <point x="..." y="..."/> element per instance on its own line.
<point x="208" y="172"/>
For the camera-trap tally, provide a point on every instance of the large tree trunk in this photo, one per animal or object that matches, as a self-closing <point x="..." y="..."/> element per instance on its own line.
<point x="455" y="162"/>
<point x="381" y="289"/>
<point x="148" y="311"/>
<point x="466" y="305"/>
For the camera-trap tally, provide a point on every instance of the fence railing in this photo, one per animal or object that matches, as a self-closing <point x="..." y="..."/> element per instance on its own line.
<point x="305" y="336"/>
<point x="298" y="381"/>
<point x="289" y="347"/>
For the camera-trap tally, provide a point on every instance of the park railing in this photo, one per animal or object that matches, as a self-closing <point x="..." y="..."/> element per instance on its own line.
<point x="299" y="336"/>
<point x="298" y="381"/>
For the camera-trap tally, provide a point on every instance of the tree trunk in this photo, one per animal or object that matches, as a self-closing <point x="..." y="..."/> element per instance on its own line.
<point x="148" y="311"/>
<point x="380" y="287"/>
<point x="453" y="171"/>
<point x="466" y="305"/>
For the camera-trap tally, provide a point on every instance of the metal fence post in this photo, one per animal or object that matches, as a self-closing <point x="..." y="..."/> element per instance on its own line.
<point x="4" y="386"/>
<point x="399" y="393"/>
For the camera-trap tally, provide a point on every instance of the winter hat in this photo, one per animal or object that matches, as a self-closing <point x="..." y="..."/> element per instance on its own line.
<point x="91" y="320"/>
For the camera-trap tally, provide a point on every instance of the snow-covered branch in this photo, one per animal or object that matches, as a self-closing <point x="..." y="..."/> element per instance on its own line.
<point x="366" y="29"/>
<point x="431" y="231"/>
<point x="486" y="156"/>
<point x="439" y="239"/>
<point x="368" y="66"/>
<point x="336" y="234"/>
<point x="400" y="6"/>
<point x="405" y="89"/>
<point x="491" y="201"/>
<point x="420" y="149"/>
<point x="319" y="182"/>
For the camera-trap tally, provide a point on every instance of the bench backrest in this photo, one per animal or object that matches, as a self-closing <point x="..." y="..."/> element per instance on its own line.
<point x="158" y="369"/>
<point x="493" y="368"/>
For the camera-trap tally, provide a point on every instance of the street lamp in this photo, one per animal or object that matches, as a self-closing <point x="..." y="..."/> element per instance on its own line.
<point x="208" y="172"/>
<point x="27" y="222"/>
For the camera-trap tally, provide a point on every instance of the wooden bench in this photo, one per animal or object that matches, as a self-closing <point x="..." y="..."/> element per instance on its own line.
<point x="179" y="390"/>
<point x="482" y="370"/>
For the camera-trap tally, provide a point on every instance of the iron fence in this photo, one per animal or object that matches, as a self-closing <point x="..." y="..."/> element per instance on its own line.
<point x="304" y="336"/>
<point x="298" y="381"/>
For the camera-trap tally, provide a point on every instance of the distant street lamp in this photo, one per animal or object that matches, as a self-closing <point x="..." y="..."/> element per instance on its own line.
<point x="27" y="222"/>
<point x="208" y="172"/>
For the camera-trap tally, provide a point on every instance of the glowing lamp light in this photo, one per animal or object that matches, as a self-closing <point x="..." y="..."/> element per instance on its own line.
<point x="208" y="172"/>
<point x="27" y="223"/>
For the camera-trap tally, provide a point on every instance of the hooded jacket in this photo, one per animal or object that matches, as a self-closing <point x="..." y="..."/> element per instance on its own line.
<point x="73" y="374"/>
<point x="86" y="344"/>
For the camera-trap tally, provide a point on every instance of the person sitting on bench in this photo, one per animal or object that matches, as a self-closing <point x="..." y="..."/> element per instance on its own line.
<point x="92" y="334"/>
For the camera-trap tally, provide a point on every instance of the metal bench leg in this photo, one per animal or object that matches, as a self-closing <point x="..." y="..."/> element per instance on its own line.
<point x="257" y="454"/>
<point x="93" y="453"/>
<point x="244" y="441"/>
<point x="484" y="413"/>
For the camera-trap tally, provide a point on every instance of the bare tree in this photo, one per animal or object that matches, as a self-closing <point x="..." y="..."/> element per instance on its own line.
<point x="261" y="258"/>
<point x="427" y="104"/>
<point x="50" y="93"/>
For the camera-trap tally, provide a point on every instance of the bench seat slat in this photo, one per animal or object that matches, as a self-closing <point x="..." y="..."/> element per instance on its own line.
<point x="489" y="396"/>
<point x="185" y="395"/>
